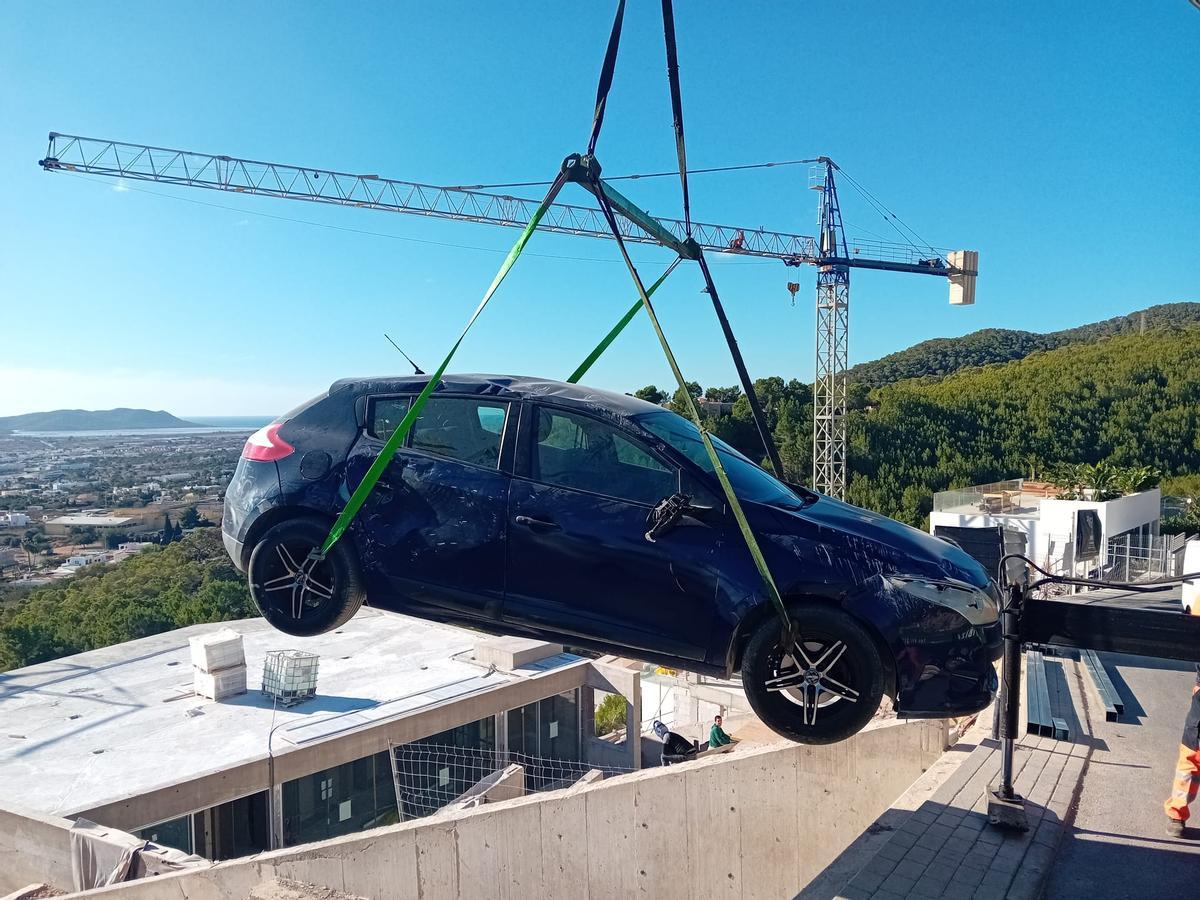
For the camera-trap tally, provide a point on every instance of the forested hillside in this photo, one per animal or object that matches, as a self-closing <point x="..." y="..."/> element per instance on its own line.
<point x="1131" y="400"/>
<point x="944" y="356"/>
<point x="184" y="583"/>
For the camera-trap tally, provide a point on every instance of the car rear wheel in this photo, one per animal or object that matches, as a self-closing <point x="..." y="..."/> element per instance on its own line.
<point x="822" y="688"/>
<point x="295" y="595"/>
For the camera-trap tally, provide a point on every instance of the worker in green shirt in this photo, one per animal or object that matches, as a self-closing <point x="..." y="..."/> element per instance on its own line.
<point x="717" y="736"/>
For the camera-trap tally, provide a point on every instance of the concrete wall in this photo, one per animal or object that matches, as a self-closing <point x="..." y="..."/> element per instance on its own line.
<point x="753" y="823"/>
<point x="34" y="848"/>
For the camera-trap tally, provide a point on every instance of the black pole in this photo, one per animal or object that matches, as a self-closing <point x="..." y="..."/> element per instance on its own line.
<point x="1006" y="809"/>
<point x="760" y="420"/>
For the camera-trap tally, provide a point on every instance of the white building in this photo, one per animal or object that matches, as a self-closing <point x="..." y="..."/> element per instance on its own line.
<point x="13" y="520"/>
<point x="1063" y="536"/>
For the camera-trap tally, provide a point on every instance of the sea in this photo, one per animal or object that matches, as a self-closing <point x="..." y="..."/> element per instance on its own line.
<point x="204" y="425"/>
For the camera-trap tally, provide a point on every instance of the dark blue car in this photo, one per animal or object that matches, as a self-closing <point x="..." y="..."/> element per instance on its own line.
<point x="525" y="506"/>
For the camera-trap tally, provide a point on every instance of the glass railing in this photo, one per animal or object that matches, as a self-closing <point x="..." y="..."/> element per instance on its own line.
<point x="996" y="498"/>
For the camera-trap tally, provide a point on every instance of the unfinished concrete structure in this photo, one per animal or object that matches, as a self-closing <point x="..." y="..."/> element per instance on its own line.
<point x="758" y="822"/>
<point x="117" y="735"/>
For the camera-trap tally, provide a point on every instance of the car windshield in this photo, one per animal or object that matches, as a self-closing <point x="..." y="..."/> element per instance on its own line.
<point x="749" y="481"/>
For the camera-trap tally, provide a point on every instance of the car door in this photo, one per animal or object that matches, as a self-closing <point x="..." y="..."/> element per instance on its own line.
<point x="579" y="562"/>
<point x="435" y="524"/>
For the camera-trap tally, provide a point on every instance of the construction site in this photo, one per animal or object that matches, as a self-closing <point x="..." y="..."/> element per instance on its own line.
<point x="513" y="636"/>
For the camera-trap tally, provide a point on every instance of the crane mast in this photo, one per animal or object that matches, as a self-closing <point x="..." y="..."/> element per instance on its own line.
<point x="829" y="252"/>
<point x="833" y="335"/>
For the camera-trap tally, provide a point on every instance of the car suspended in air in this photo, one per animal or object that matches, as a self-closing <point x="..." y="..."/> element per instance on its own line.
<point x="534" y="507"/>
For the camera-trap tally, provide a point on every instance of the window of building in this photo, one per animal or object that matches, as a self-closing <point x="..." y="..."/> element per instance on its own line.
<point x="176" y="833"/>
<point x="461" y="428"/>
<point x="559" y="729"/>
<point x="337" y="801"/>
<point x="583" y="453"/>
<point x="436" y="770"/>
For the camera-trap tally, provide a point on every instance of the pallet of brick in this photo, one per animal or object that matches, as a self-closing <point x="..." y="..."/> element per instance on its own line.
<point x="217" y="650"/>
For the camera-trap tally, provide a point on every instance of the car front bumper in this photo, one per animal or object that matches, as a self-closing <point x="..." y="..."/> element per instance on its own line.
<point x="947" y="675"/>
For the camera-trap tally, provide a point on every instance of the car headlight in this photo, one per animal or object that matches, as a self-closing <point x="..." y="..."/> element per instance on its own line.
<point x="976" y="605"/>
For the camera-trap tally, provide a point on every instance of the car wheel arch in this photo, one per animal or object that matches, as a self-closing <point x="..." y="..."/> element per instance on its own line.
<point x="269" y="518"/>
<point x="751" y="621"/>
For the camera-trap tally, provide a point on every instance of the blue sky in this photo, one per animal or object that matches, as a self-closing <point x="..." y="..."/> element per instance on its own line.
<point x="1058" y="140"/>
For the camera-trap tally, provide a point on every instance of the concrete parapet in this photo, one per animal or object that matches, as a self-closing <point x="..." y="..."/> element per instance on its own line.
<point x="753" y="823"/>
<point x="34" y="848"/>
<point x="509" y="653"/>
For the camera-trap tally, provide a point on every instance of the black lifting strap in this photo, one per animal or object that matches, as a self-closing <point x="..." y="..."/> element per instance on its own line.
<point x="756" y="411"/>
<point x="606" y="76"/>
<point x="668" y="13"/>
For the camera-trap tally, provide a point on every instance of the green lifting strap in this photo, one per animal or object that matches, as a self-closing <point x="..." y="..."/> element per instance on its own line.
<point x="393" y="443"/>
<point x="620" y="326"/>
<point x="739" y="514"/>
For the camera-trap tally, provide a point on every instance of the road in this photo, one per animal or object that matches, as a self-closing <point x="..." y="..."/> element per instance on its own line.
<point x="1118" y="847"/>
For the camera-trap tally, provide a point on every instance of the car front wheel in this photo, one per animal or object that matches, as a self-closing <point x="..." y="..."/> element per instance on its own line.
<point x="819" y="689"/>
<point x="293" y="594"/>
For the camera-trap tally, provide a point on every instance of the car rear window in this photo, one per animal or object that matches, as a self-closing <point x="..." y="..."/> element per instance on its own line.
<point x="385" y="415"/>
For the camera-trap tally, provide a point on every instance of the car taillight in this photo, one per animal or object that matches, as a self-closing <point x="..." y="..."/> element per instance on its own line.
<point x="265" y="445"/>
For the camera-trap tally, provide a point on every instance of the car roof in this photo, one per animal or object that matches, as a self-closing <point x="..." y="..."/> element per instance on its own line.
<point x="512" y="387"/>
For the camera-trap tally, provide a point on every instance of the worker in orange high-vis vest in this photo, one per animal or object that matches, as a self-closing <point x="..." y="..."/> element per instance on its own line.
<point x="1187" y="770"/>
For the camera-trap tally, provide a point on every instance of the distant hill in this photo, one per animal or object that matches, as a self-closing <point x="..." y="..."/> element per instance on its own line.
<point x="92" y="420"/>
<point x="944" y="356"/>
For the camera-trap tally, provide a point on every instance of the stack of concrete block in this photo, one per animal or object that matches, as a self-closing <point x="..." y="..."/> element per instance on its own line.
<point x="218" y="664"/>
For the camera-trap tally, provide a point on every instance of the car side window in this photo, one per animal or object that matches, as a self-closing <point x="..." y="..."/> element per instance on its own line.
<point x="461" y="428"/>
<point x="386" y="413"/>
<point x="580" y="452"/>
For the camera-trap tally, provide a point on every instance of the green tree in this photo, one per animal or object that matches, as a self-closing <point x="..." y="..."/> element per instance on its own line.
<point x="679" y="399"/>
<point x="650" y="394"/>
<point x="610" y="714"/>
<point x="184" y="583"/>
<point x="168" y="529"/>
<point x="115" y="539"/>
<point x="722" y="394"/>
<point x="190" y="518"/>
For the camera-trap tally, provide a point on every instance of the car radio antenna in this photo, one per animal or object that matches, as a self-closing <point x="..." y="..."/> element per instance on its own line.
<point x="416" y="369"/>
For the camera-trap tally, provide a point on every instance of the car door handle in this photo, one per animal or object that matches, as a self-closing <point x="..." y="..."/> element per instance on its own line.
<point x="536" y="524"/>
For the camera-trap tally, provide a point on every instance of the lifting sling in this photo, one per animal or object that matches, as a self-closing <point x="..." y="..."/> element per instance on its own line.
<point x="586" y="171"/>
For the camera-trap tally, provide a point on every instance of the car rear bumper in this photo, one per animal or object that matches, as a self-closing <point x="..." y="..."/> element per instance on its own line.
<point x="234" y="548"/>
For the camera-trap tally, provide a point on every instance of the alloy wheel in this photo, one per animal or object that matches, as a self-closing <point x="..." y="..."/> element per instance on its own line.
<point x="814" y="673"/>
<point x="294" y="580"/>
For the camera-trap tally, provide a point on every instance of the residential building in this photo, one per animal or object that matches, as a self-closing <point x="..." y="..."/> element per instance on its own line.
<point x="1079" y="537"/>
<point x="63" y="524"/>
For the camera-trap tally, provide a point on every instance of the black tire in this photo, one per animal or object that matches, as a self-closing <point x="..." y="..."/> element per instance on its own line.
<point x="328" y="597"/>
<point x="823" y="713"/>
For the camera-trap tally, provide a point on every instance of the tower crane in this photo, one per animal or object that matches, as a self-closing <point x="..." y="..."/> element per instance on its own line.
<point x="829" y="252"/>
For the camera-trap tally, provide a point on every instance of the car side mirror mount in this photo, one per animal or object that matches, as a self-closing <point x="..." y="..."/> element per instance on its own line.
<point x="668" y="511"/>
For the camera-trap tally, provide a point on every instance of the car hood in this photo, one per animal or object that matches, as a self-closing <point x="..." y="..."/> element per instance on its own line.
<point x="897" y="548"/>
